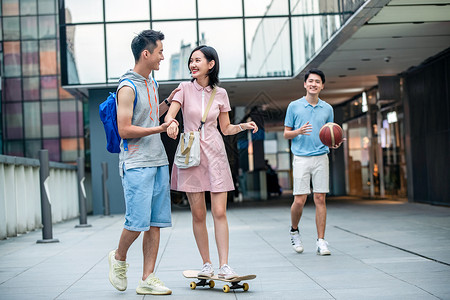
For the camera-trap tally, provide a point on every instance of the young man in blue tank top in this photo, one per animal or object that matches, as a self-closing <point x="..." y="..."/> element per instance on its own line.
<point x="304" y="118"/>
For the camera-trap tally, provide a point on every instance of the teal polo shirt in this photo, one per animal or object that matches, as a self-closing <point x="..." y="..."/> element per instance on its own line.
<point x="298" y="113"/>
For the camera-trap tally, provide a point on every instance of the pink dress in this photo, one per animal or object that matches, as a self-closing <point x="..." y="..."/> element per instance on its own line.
<point x="213" y="174"/>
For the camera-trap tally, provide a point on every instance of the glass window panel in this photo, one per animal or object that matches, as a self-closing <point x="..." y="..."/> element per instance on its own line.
<point x="268" y="47"/>
<point x="303" y="7"/>
<point x="178" y="45"/>
<point x="13" y="89"/>
<point x="217" y="34"/>
<point x="88" y="54"/>
<point x="69" y="150"/>
<point x="14" y="119"/>
<point x="10" y="7"/>
<point x="163" y="9"/>
<point x="28" y="7"/>
<point x="47" y="7"/>
<point x="11" y="59"/>
<point x="47" y="27"/>
<point x="14" y="148"/>
<point x="29" y="28"/>
<point x="76" y="11"/>
<point x="270" y="146"/>
<point x="11" y="28"/>
<point x="1" y="29"/>
<point x="30" y="88"/>
<point x="68" y="118"/>
<point x="53" y="149"/>
<point x="30" y="58"/>
<point x="283" y="144"/>
<point x="306" y="38"/>
<point x="283" y="161"/>
<point x="32" y="148"/>
<point x="266" y="7"/>
<point x="115" y="10"/>
<point x="47" y="56"/>
<point x="284" y="179"/>
<point x="118" y="45"/>
<point x="32" y="119"/>
<point x="219" y="8"/>
<point x="50" y="119"/>
<point x="49" y="87"/>
<point x="271" y="160"/>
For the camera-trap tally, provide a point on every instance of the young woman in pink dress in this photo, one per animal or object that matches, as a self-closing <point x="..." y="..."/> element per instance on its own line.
<point x="213" y="174"/>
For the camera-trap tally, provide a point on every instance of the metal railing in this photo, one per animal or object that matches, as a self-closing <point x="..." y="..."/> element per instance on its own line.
<point x="20" y="194"/>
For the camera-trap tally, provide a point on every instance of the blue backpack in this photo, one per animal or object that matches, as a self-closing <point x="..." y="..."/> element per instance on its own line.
<point x="108" y="115"/>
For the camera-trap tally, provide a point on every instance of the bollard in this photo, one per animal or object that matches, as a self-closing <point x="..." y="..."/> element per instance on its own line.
<point x="81" y="194"/>
<point x="46" y="207"/>
<point x="105" y="189"/>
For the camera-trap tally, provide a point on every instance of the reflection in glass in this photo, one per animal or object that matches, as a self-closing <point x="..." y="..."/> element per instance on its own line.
<point x="266" y="7"/>
<point x="11" y="28"/>
<point x="47" y="7"/>
<point x="47" y="27"/>
<point x="13" y="113"/>
<point x="302" y="7"/>
<point x="69" y="149"/>
<point x="13" y="91"/>
<point x="118" y="45"/>
<point x="32" y="119"/>
<point x="53" y="149"/>
<point x="32" y="148"/>
<point x="230" y="47"/>
<point x="10" y="7"/>
<point x="164" y="9"/>
<point x="29" y="28"/>
<point x="309" y="34"/>
<point x="118" y="10"/>
<point x="219" y="8"/>
<point x="88" y="54"/>
<point x="76" y="11"/>
<point x="14" y="148"/>
<point x="28" y="7"/>
<point x="30" y="58"/>
<point x="31" y="88"/>
<point x="47" y="57"/>
<point x="50" y="120"/>
<point x="68" y="117"/>
<point x="178" y="45"/>
<point x="268" y="47"/>
<point x="49" y="87"/>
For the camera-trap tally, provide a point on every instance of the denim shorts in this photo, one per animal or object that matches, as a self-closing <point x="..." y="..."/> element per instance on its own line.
<point x="147" y="198"/>
<point x="307" y="169"/>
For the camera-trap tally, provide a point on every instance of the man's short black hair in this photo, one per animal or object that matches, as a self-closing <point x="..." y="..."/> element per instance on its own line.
<point x="317" y="72"/>
<point x="146" y="40"/>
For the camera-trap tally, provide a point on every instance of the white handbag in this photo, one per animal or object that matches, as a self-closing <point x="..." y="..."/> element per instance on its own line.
<point x="188" y="150"/>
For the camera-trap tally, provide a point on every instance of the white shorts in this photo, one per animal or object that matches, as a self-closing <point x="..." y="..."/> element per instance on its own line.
<point x="311" y="168"/>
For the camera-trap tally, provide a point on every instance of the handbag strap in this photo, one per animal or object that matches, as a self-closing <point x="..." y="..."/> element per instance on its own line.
<point x="187" y="151"/>
<point x="205" y="114"/>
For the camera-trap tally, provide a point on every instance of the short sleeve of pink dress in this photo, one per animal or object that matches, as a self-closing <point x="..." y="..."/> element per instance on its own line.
<point x="213" y="174"/>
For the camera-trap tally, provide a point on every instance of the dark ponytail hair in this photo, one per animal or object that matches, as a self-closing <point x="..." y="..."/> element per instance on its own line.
<point x="210" y="54"/>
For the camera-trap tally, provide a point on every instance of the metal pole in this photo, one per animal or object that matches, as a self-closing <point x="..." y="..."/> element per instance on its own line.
<point x="46" y="208"/>
<point x="81" y="194"/>
<point x="105" y="189"/>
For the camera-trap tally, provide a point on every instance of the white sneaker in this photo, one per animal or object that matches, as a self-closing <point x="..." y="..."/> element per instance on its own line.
<point x="296" y="241"/>
<point x="117" y="272"/>
<point x="152" y="286"/>
<point x="322" y="247"/>
<point x="227" y="272"/>
<point x="207" y="270"/>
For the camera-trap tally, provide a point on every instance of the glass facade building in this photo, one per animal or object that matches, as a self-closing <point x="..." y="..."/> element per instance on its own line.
<point x="36" y="112"/>
<point x="256" y="38"/>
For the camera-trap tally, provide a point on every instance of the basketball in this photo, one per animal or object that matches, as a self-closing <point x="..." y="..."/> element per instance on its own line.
<point x="331" y="134"/>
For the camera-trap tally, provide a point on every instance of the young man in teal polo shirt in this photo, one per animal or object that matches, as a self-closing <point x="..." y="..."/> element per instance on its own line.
<point x="304" y="118"/>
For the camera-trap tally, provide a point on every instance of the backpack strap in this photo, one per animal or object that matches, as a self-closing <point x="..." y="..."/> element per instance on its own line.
<point x="125" y="142"/>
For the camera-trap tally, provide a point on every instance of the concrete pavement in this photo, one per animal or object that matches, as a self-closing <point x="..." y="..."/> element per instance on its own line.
<point x="380" y="250"/>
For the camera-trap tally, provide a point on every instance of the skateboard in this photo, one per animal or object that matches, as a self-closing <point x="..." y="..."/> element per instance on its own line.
<point x="209" y="281"/>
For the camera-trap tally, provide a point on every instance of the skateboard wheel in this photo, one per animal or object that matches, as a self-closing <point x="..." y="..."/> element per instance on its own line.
<point x="226" y="288"/>
<point x="211" y="284"/>
<point x="245" y="286"/>
<point x="193" y="285"/>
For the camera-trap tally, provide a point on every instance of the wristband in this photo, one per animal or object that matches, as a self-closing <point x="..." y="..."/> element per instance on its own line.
<point x="166" y="102"/>
<point x="240" y="127"/>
